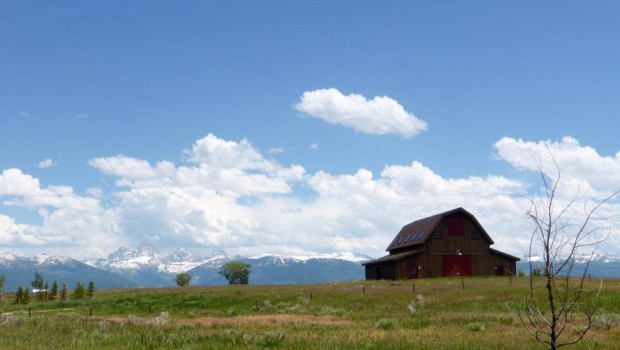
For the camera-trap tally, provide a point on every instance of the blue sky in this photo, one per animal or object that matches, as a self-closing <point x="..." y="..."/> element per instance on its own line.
<point x="296" y="127"/>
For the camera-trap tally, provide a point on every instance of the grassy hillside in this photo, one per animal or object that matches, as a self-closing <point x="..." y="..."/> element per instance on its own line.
<point x="359" y="315"/>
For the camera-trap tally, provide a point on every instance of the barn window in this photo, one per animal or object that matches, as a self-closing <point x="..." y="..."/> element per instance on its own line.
<point x="456" y="226"/>
<point x="437" y="235"/>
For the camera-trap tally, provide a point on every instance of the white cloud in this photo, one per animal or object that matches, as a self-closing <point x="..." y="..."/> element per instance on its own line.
<point x="47" y="163"/>
<point x="224" y="154"/>
<point x="276" y="150"/>
<point x="581" y="167"/>
<point x="229" y="196"/>
<point x="23" y="190"/>
<point x="95" y="192"/>
<point x="81" y="116"/>
<point x="10" y="232"/>
<point x="314" y="146"/>
<point x="379" y="116"/>
<point x="131" y="168"/>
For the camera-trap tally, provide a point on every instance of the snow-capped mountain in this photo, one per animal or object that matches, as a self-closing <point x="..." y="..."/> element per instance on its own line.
<point x="601" y="258"/>
<point x="145" y="257"/>
<point x="285" y="259"/>
<point x="601" y="265"/>
<point x="182" y="260"/>
<point x="19" y="271"/>
<point x="147" y="267"/>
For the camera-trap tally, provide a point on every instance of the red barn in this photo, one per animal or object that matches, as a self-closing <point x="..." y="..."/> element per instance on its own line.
<point x="447" y="244"/>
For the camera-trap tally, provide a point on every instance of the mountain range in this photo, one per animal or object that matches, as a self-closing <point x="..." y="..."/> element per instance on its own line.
<point x="146" y="267"/>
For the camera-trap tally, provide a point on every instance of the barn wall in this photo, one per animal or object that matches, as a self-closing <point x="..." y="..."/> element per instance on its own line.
<point x="472" y="242"/>
<point x="466" y="244"/>
<point x="509" y="265"/>
<point x="370" y="272"/>
<point x="464" y="237"/>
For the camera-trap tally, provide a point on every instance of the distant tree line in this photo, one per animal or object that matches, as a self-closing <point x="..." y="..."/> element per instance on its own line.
<point x="43" y="293"/>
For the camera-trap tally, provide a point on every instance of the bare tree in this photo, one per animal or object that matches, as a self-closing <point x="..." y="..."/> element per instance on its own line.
<point x="566" y="233"/>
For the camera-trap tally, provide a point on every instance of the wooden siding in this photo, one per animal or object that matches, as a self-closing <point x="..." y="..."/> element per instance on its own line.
<point x="449" y="244"/>
<point x="466" y="248"/>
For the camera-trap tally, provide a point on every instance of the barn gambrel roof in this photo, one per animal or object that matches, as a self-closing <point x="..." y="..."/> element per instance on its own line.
<point x="419" y="231"/>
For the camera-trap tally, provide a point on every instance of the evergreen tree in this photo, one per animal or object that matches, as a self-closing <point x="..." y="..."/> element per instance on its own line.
<point x="26" y="298"/>
<point x="38" y="282"/>
<point x="79" y="291"/>
<point x="46" y="293"/>
<point x="91" y="289"/>
<point x="63" y="292"/>
<point x="2" y="279"/>
<point x="54" y="293"/>
<point x="19" y="296"/>
<point x="37" y="285"/>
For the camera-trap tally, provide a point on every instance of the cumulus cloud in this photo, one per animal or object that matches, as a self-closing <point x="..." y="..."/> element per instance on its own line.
<point x="228" y="195"/>
<point x="11" y="232"/>
<point x="23" y="190"/>
<point x="314" y="146"/>
<point x="133" y="171"/>
<point x="71" y="223"/>
<point x="381" y="115"/>
<point x="582" y="167"/>
<point x="47" y="163"/>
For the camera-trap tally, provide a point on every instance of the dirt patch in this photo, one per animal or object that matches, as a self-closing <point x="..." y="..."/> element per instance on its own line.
<point x="261" y="319"/>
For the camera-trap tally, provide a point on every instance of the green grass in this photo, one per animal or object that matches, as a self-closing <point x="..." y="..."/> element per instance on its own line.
<point x="357" y="315"/>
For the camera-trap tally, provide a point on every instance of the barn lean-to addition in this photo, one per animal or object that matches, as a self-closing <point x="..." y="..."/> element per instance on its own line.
<point x="447" y="244"/>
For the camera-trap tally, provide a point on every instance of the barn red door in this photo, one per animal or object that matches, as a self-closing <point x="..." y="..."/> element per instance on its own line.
<point x="456" y="265"/>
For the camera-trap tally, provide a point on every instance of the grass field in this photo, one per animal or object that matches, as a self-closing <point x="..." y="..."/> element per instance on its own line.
<point x="468" y="313"/>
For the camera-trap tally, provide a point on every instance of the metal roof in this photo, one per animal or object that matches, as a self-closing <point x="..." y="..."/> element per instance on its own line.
<point x="419" y="231"/>
<point x="493" y="251"/>
<point x="393" y="257"/>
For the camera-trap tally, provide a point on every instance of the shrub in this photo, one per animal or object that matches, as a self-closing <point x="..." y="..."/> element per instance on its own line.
<point x="272" y="339"/>
<point x="386" y="323"/>
<point x="9" y="319"/>
<point x="607" y="321"/>
<point x="328" y="310"/>
<point x="414" y="305"/>
<point x="475" y="326"/>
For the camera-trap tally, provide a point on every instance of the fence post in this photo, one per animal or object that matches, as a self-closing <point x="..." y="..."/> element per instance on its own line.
<point x="463" y="283"/>
<point x="364" y="290"/>
<point x="413" y="287"/>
